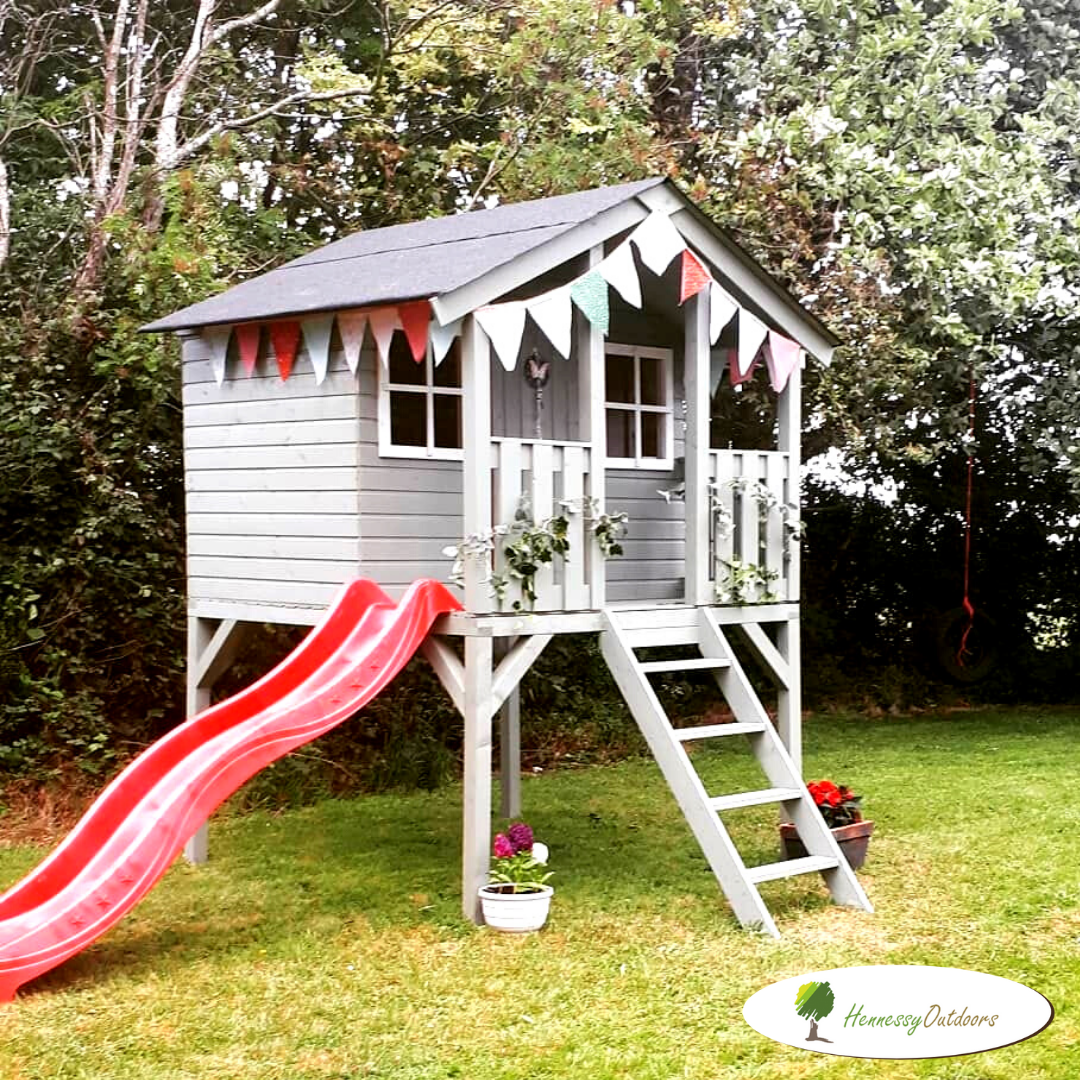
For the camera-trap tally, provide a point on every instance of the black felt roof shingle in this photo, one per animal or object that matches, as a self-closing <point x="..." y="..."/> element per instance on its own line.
<point x="402" y="262"/>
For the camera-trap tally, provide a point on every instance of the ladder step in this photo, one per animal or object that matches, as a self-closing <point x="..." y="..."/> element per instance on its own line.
<point x="661" y="635"/>
<point x="712" y="731"/>
<point x="701" y="663"/>
<point x="811" y="864"/>
<point x="755" y="798"/>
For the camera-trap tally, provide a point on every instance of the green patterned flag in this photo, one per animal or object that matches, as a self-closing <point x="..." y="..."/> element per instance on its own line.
<point x="590" y="294"/>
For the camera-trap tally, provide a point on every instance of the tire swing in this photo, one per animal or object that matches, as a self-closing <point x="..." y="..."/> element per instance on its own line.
<point x="965" y="640"/>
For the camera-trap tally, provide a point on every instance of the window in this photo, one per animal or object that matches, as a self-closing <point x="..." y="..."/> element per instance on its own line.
<point x="638" y="401"/>
<point x="420" y="404"/>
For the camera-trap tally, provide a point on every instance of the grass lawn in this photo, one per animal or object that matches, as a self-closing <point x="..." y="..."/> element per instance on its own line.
<point x="326" y="943"/>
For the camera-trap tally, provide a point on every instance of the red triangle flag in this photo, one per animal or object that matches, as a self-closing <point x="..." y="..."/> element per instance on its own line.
<point x="415" y="317"/>
<point x="286" y="337"/>
<point x="733" y="368"/>
<point x="694" y="276"/>
<point x="247" y="342"/>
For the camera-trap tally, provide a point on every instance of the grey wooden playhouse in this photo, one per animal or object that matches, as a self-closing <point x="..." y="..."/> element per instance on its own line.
<point x="430" y="390"/>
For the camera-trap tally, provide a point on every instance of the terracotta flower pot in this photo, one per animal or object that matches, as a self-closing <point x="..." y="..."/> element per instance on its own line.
<point x="854" y="839"/>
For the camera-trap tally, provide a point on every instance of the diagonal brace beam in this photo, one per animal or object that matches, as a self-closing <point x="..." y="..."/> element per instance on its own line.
<point x="217" y="656"/>
<point x="448" y="667"/>
<point x="513" y="667"/>
<point x="762" y="647"/>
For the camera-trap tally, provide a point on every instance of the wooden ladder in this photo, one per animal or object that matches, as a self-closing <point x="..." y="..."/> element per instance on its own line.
<point x="702" y="811"/>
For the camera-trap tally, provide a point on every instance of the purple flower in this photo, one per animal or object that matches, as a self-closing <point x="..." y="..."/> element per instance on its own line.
<point x="503" y="847"/>
<point x="521" y="837"/>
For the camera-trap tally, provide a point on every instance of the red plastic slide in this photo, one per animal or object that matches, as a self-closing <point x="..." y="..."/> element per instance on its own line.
<point x="129" y="837"/>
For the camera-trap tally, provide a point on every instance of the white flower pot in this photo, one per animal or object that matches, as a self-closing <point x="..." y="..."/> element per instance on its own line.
<point x="515" y="913"/>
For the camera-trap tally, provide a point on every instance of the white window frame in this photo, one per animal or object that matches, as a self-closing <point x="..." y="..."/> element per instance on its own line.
<point x="638" y="353"/>
<point x="428" y="390"/>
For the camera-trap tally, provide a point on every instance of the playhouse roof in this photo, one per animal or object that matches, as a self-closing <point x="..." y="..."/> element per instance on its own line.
<point x="433" y="258"/>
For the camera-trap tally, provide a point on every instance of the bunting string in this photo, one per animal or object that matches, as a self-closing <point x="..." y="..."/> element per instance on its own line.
<point x="657" y="243"/>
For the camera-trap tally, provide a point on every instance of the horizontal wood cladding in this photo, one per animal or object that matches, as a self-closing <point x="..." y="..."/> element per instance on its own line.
<point x="274" y="546"/>
<point x="271" y="473"/>
<point x="317" y="456"/>
<point x="311" y="479"/>
<point x="246" y="568"/>
<point x="270" y="502"/>
<point x="286" y="526"/>
<point x="308" y="594"/>
<point x="653" y="565"/>
<point x="410" y="508"/>
<point x="284" y="434"/>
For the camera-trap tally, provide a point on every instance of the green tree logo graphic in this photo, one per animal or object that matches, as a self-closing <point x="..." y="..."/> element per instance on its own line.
<point x="813" y="1002"/>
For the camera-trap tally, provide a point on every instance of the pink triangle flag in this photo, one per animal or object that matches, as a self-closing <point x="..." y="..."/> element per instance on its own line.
<point x="736" y="376"/>
<point x="415" y="317"/>
<point x="351" y="326"/>
<point x="285" y="336"/>
<point x="217" y="337"/>
<point x="248" y="337"/>
<point x="383" y="322"/>
<point x="694" y="276"/>
<point x="783" y="357"/>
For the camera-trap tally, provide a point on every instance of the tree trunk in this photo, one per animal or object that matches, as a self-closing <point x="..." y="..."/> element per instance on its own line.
<point x="5" y="214"/>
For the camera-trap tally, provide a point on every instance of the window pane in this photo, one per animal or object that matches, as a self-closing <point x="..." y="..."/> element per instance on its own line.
<point x="403" y="368"/>
<point x="619" y="378"/>
<point x="620" y="433"/>
<point x="408" y="419"/>
<point x="447" y="420"/>
<point x="652" y="382"/>
<point x="652" y="434"/>
<point x="448" y="373"/>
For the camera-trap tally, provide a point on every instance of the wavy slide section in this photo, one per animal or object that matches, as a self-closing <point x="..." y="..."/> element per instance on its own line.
<point x="126" y="841"/>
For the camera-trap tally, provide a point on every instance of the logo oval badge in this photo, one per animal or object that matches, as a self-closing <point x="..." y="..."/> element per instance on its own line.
<point x="898" y="1011"/>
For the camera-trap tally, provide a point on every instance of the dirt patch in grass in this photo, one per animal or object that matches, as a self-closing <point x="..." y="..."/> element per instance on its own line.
<point x="36" y="813"/>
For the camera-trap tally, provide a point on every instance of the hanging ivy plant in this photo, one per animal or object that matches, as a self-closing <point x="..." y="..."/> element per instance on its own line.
<point x="531" y="545"/>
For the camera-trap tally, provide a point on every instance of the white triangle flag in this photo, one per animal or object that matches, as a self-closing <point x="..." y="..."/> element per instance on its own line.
<point x="721" y="311"/>
<point x="317" y="332"/>
<point x="217" y="337"/>
<point x="504" y="324"/>
<point x="351" y="326"/>
<point x="442" y="337"/>
<point x="383" y="322"/>
<point x="752" y="333"/>
<point x="554" y="314"/>
<point x="658" y="241"/>
<point x="619" y="271"/>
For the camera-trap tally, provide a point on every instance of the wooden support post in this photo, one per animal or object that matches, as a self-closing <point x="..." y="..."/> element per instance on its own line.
<point x="510" y="756"/>
<point x="696" y="365"/>
<point x="476" y="814"/>
<point x="789" y="698"/>
<point x="211" y="649"/>
<point x="592" y="426"/>
<point x="476" y="421"/>
<point x="197" y="847"/>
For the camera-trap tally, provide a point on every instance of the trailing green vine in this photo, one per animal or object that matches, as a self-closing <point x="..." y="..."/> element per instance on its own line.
<point x="530" y="546"/>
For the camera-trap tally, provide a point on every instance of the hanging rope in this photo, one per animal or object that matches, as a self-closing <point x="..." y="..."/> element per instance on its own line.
<point x="969" y="607"/>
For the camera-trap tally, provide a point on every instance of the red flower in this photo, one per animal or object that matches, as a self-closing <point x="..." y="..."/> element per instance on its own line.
<point x="503" y="848"/>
